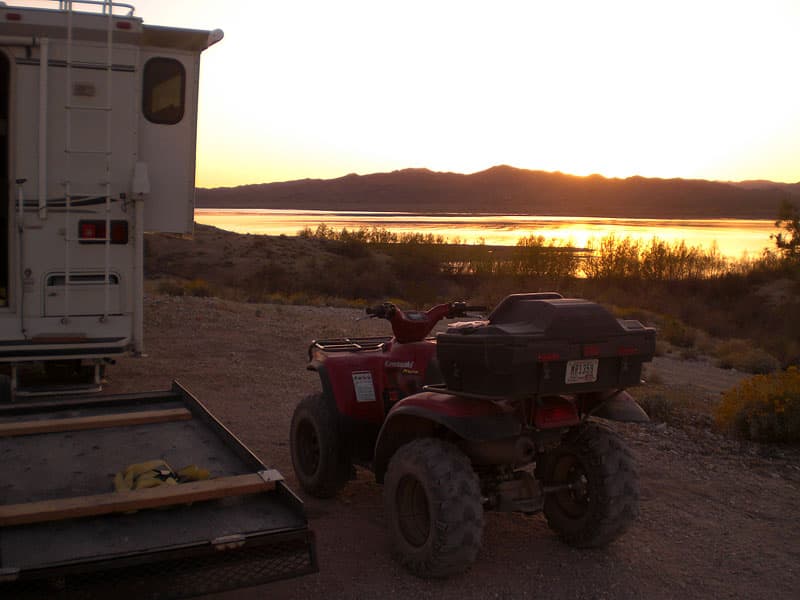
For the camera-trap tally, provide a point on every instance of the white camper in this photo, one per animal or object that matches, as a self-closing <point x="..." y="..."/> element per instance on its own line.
<point x="98" y="115"/>
<point x="97" y="144"/>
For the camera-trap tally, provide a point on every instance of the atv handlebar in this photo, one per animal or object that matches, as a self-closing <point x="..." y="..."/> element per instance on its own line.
<point x="460" y="309"/>
<point x="414" y="326"/>
<point x="382" y="311"/>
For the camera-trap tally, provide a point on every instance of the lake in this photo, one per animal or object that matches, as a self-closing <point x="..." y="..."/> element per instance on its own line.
<point x="734" y="237"/>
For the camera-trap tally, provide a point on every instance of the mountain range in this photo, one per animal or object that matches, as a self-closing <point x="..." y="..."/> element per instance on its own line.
<point x="508" y="190"/>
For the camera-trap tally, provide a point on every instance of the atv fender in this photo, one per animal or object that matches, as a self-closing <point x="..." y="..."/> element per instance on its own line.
<point x="429" y="414"/>
<point x="620" y="406"/>
<point x="357" y="435"/>
<point x="324" y="379"/>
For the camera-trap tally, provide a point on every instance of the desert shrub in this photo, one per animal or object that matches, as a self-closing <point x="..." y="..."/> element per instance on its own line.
<point x="352" y="248"/>
<point x="195" y="287"/>
<point x="763" y="408"/>
<point x="538" y="257"/>
<point x="705" y="344"/>
<point x="788" y="240"/>
<point x="612" y="257"/>
<point x="689" y="354"/>
<point x="662" y="348"/>
<point x="677" y="333"/>
<point x="652" y="375"/>
<point x="631" y="312"/>
<point x="657" y="406"/>
<point x="367" y="277"/>
<point x="170" y="287"/>
<point x="199" y="288"/>
<point x="664" y="261"/>
<point x="743" y="356"/>
<point x="272" y="276"/>
<point x="788" y="349"/>
<point x="300" y="299"/>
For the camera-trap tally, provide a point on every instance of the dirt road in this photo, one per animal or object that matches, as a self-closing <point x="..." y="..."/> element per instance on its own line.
<point x="718" y="518"/>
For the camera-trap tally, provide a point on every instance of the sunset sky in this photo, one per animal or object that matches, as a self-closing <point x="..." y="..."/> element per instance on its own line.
<point x="660" y="88"/>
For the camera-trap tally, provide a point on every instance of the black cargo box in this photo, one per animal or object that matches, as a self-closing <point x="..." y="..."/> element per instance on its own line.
<point x="536" y="344"/>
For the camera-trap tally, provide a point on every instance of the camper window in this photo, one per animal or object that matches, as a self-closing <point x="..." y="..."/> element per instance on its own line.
<point x="163" y="91"/>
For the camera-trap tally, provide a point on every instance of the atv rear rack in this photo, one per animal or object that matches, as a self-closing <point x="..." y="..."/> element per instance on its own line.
<point x="441" y="388"/>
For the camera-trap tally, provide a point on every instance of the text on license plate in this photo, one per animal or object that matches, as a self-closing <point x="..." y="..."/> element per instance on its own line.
<point x="582" y="371"/>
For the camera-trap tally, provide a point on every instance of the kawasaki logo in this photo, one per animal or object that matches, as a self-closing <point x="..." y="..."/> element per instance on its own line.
<point x="409" y="364"/>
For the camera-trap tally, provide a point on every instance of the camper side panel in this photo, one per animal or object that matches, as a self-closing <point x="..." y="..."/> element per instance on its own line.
<point x="59" y="290"/>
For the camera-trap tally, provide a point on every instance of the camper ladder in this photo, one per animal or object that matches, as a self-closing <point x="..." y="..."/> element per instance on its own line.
<point x="105" y="5"/>
<point x="103" y="154"/>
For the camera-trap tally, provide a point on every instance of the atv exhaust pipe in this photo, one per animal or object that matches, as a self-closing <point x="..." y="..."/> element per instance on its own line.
<point x="513" y="451"/>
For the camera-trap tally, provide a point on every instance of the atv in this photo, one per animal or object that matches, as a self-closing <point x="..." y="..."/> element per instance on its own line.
<point x="493" y="414"/>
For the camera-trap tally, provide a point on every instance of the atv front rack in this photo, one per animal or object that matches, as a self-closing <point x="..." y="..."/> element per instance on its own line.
<point x="350" y="344"/>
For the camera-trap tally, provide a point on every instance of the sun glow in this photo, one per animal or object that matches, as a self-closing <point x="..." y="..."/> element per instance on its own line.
<point x="674" y="88"/>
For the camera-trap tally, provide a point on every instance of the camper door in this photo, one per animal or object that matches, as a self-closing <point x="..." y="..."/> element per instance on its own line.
<point x="167" y="137"/>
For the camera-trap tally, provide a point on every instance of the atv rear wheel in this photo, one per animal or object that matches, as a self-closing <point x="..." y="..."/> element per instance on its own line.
<point x="321" y="465"/>
<point x="595" y="487"/>
<point x="433" y="507"/>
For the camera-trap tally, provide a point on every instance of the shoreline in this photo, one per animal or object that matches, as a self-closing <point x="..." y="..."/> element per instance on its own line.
<point x="732" y="236"/>
<point x="477" y="215"/>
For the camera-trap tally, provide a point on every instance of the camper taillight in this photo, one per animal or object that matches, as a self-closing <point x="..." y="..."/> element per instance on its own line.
<point x="93" y="232"/>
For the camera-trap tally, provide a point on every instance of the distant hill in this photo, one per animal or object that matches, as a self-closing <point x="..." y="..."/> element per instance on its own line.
<point x="507" y="190"/>
<point x="760" y="184"/>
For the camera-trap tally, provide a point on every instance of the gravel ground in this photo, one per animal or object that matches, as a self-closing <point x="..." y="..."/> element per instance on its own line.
<point x="718" y="517"/>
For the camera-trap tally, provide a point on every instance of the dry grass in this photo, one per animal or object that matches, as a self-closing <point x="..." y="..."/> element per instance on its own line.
<point x="691" y="314"/>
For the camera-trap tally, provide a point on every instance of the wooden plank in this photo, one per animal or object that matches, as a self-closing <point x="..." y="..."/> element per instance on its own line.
<point x="96" y="422"/>
<point x="143" y="399"/>
<point x="121" y="502"/>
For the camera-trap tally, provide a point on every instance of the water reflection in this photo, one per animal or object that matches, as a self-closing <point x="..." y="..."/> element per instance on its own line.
<point x="734" y="237"/>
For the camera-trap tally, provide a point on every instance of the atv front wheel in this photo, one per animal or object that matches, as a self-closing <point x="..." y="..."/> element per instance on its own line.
<point x="321" y="465"/>
<point x="593" y="493"/>
<point x="433" y="506"/>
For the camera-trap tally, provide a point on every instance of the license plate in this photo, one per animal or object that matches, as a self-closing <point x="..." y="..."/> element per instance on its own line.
<point x="582" y="371"/>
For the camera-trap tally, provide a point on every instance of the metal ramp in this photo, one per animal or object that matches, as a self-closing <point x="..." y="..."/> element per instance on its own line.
<point x="250" y="529"/>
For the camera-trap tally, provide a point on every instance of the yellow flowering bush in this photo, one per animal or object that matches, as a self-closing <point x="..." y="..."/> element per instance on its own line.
<point x="763" y="408"/>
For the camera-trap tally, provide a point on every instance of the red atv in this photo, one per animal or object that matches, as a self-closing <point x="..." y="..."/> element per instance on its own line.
<point x="491" y="415"/>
